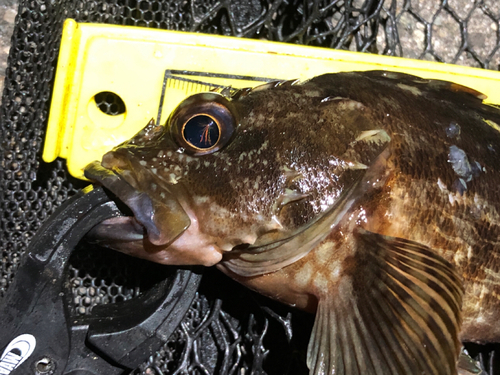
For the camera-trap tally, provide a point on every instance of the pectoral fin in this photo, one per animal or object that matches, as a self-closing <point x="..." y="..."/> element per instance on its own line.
<point x="396" y="311"/>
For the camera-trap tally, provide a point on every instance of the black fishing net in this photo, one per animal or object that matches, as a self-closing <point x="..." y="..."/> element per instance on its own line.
<point x="228" y="330"/>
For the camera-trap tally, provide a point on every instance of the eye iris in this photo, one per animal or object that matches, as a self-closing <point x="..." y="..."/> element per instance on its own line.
<point x="201" y="131"/>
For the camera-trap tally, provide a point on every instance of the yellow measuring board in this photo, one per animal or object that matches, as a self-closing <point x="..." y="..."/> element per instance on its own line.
<point x="112" y="80"/>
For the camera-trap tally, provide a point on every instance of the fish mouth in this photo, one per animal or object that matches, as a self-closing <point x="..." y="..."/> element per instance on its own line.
<point x="164" y="221"/>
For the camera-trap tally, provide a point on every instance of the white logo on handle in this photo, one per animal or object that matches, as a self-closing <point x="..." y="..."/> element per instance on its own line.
<point x="16" y="353"/>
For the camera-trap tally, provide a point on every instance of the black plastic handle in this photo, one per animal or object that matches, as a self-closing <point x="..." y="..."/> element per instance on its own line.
<point x="37" y="335"/>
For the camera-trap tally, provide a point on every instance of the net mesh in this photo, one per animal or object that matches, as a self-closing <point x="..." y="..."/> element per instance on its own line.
<point x="228" y="329"/>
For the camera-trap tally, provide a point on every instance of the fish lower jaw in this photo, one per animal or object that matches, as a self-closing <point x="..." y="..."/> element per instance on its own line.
<point x="193" y="247"/>
<point x="193" y="250"/>
<point x="126" y="235"/>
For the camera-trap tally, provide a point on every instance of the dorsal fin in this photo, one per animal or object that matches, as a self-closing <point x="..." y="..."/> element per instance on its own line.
<point x="424" y="85"/>
<point x="455" y="87"/>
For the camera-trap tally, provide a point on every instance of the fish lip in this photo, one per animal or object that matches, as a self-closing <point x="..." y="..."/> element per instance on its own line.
<point x="123" y="190"/>
<point x="105" y="176"/>
<point x="140" y="203"/>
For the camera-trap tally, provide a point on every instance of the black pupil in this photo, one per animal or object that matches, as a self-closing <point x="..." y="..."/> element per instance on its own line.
<point x="201" y="131"/>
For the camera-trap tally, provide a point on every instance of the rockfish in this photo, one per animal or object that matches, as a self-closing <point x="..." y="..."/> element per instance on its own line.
<point x="369" y="198"/>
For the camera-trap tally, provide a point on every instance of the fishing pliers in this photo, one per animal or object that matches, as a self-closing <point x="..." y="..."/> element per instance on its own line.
<point x="39" y="336"/>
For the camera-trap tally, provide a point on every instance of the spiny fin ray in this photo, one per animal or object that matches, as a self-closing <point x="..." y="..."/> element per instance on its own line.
<point x="396" y="310"/>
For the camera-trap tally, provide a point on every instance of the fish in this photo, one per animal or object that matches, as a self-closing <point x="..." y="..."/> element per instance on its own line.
<point x="371" y="199"/>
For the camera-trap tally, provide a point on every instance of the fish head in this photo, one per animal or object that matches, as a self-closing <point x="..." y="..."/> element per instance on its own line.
<point x="241" y="174"/>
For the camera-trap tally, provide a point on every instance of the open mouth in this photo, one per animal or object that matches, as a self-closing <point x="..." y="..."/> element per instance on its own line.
<point x="163" y="220"/>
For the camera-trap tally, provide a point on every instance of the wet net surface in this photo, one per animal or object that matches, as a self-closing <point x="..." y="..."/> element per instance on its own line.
<point x="228" y="330"/>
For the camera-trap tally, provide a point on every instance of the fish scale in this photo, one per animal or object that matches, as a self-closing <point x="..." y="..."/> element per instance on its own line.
<point x="370" y="198"/>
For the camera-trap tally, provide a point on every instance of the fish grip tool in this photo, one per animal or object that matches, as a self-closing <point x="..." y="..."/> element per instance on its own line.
<point x="39" y="336"/>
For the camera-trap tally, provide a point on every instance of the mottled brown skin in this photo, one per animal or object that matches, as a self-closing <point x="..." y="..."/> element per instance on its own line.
<point x="410" y="204"/>
<point x="305" y="138"/>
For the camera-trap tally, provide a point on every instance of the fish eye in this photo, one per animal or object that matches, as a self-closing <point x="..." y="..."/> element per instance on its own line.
<point x="203" y="123"/>
<point x="201" y="131"/>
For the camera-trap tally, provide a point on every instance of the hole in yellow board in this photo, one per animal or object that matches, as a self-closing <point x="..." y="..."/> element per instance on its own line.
<point x="109" y="103"/>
